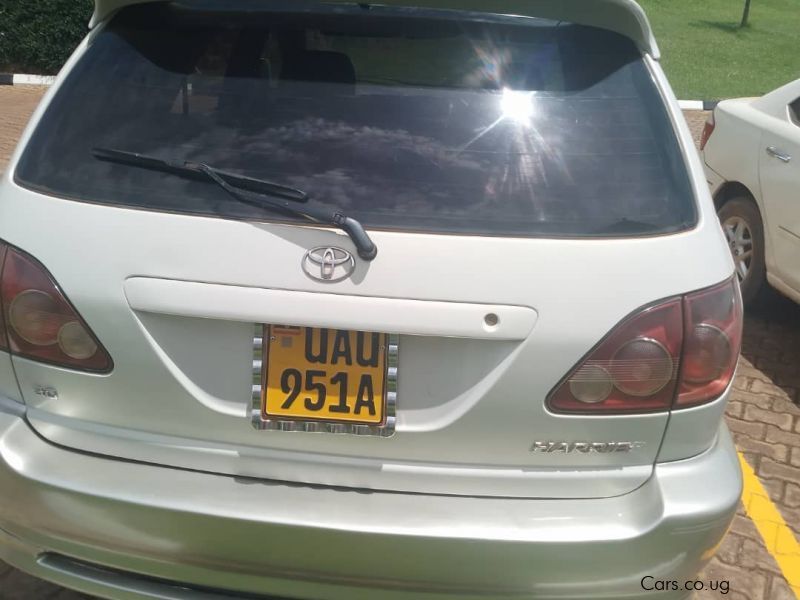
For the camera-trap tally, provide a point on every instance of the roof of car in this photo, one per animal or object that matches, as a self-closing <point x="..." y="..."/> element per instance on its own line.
<point x="776" y="102"/>
<point x="622" y="16"/>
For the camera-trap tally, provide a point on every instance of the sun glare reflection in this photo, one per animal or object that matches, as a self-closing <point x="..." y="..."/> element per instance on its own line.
<point x="517" y="106"/>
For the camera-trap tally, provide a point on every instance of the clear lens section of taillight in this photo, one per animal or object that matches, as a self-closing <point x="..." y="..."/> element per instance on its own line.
<point x="633" y="370"/>
<point x="39" y="321"/>
<point x="713" y="338"/>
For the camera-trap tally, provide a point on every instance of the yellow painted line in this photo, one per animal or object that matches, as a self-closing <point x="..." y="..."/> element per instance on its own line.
<point x="778" y="538"/>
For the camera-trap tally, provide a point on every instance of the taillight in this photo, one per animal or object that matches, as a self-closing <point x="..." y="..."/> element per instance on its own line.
<point x="680" y="352"/>
<point x="39" y="322"/>
<point x="712" y="340"/>
<point x="633" y="370"/>
<point x="708" y="129"/>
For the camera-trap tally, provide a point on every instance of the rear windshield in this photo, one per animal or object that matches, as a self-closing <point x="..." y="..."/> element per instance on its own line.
<point x="406" y="119"/>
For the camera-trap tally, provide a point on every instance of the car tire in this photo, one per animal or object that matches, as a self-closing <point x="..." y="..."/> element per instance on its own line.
<point x="744" y="231"/>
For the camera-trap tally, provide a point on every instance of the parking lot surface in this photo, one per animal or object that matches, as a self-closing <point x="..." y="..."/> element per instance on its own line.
<point x="764" y="417"/>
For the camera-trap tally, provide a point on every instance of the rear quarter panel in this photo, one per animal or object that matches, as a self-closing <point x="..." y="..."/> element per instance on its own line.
<point x="733" y="150"/>
<point x="692" y="431"/>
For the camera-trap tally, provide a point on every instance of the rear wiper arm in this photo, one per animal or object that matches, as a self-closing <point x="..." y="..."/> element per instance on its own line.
<point x="255" y="192"/>
<point x="313" y="211"/>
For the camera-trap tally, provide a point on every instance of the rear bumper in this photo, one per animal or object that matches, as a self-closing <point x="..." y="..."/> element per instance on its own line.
<point x="212" y="532"/>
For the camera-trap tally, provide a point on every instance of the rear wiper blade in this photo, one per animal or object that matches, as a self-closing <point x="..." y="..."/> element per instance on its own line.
<point x="147" y="161"/>
<point x="255" y="192"/>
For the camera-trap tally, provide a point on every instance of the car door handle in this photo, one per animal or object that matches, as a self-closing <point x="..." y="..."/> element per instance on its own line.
<point x="780" y="155"/>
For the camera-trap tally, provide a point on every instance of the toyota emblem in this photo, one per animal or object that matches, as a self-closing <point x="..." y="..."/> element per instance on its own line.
<point x="328" y="263"/>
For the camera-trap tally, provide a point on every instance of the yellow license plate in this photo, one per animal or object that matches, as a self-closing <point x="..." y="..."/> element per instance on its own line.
<point x="331" y="375"/>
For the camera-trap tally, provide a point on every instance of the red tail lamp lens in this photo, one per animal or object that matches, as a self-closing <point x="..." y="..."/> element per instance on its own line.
<point x="707" y="350"/>
<point x="40" y="323"/>
<point x="632" y="370"/>
<point x="713" y="339"/>
<point x="33" y="316"/>
<point x="708" y="129"/>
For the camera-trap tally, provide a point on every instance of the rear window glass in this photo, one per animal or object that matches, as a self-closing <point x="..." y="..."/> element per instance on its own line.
<point x="405" y="119"/>
<point x="794" y="112"/>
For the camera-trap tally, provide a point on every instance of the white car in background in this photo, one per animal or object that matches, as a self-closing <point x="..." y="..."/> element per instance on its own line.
<point x="751" y="149"/>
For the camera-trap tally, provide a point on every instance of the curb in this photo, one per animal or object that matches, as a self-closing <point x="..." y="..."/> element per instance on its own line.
<point x="698" y="104"/>
<point x="21" y="79"/>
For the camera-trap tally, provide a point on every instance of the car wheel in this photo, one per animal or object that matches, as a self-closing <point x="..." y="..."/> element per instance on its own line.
<point x="744" y="230"/>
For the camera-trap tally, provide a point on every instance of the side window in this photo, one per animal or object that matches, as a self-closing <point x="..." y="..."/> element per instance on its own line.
<point x="794" y="112"/>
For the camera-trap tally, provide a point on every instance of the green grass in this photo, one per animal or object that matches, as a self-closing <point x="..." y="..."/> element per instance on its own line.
<point x="707" y="56"/>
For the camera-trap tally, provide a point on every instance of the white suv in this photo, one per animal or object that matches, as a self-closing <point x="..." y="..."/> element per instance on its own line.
<point x="329" y="300"/>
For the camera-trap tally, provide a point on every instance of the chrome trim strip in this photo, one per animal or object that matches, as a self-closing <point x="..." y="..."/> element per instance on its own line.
<point x="386" y="430"/>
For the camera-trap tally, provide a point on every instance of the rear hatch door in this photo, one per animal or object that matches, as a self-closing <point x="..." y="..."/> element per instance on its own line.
<point x="520" y="177"/>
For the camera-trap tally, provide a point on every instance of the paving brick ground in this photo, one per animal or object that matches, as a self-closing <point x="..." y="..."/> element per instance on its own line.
<point x="764" y="416"/>
<point x="16" y="105"/>
<point x="696" y="119"/>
